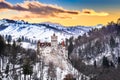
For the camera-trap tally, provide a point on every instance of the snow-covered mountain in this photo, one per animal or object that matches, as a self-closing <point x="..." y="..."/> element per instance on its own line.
<point x="42" y="31"/>
<point x="99" y="43"/>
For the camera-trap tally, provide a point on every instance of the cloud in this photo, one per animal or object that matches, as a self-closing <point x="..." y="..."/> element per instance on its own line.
<point x="87" y="12"/>
<point x="40" y="10"/>
<point x="2" y="0"/>
<point x="5" y="5"/>
<point x="36" y="8"/>
<point x="93" y="13"/>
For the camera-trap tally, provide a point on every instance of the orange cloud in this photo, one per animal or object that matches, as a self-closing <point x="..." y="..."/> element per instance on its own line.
<point x="93" y="13"/>
<point x="2" y="0"/>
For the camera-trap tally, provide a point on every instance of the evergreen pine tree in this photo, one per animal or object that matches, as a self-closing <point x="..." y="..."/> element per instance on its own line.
<point x="9" y="39"/>
<point x="118" y="22"/>
<point x="7" y="70"/>
<point x="118" y="26"/>
<point x="27" y="68"/>
<point x="112" y="42"/>
<point x="105" y="62"/>
<point x="98" y="47"/>
<point x="23" y="39"/>
<point x="70" y="48"/>
<point x="118" y="60"/>
<point x="19" y="40"/>
<point x="95" y="65"/>
<point x="111" y="64"/>
<point x="2" y="45"/>
<point x="14" y="51"/>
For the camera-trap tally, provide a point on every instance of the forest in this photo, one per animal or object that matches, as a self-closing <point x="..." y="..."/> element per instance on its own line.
<point x="97" y="53"/>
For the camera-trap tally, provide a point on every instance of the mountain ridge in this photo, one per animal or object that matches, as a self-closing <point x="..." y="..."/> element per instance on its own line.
<point x="34" y="31"/>
<point x="48" y="22"/>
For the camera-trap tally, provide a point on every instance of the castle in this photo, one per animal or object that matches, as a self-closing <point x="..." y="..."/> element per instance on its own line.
<point x="44" y="48"/>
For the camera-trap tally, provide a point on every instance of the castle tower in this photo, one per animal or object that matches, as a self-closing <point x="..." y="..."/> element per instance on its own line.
<point x="54" y="40"/>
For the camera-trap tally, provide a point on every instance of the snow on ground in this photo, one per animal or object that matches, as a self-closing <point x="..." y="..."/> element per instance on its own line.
<point x="27" y="45"/>
<point x="62" y="64"/>
<point x="111" y="55"/>
<point x="44" y="33"/>
<point x="40" y="31"/>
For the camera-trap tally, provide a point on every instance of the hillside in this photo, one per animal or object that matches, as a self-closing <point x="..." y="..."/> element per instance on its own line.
<point x="97" y="52"/>
<point x="22" y="59"/>
<point x="41" y="31"/>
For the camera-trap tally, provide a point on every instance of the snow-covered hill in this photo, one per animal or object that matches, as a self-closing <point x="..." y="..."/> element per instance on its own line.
<point x="42" y="31"/>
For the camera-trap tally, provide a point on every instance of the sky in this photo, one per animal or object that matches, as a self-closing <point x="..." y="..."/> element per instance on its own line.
<point x="64" y="12"/>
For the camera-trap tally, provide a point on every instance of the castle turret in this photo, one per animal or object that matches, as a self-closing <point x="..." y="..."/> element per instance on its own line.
<point x="54" y="41"/>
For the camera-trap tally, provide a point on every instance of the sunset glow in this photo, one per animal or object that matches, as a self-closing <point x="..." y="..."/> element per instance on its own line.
<point x="37" y="12"/>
